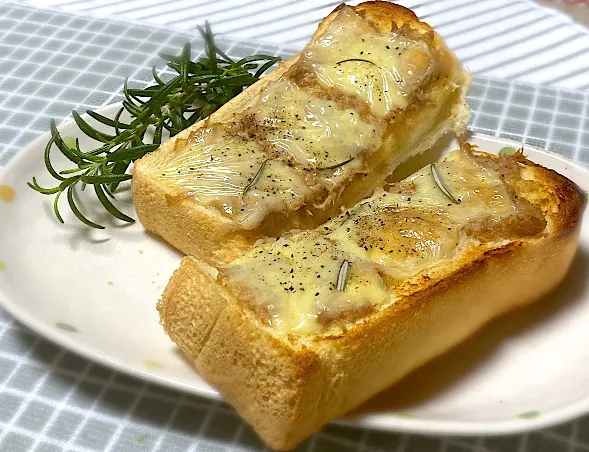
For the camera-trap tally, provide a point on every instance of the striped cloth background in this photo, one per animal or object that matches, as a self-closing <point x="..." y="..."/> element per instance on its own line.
<point x="52" y="400"/>
<point x="512" y="39"/>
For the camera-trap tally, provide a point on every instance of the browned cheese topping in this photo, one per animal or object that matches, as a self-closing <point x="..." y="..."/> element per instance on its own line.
<point x="350" y="267"/>
<point x="309" y="132"/>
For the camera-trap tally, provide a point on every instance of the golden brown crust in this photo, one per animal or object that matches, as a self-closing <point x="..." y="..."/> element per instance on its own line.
<point x="203" y="232"/>
<point x="328" y="374"/>
<point x="567" y="200"/>
<point x="384" y="14"/>
<point x="286" y="387"/>
<point x="193" y="229"/>
<point x="324" y="378"/>
<point x="559" y="198"/>
<point x="276" y="382"/>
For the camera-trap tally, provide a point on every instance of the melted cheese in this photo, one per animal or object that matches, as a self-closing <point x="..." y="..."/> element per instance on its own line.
<point x="403" y="241"/>
<point x="293" y="133"/>
<point x="409" y="231"/>
<point x="307" y="146"/>
<point x="315" y="132"/>
<point x="478" y="190"/>
<point x="294" y="282"/>
<point x="219" y="168"/>
<point x="214" y="165"/>
<point x="279" y="187"/>
<point x="382" y="70"/>
<point x="398" y="234"/>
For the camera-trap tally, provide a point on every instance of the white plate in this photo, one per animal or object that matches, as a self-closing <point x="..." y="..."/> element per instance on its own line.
<point x="525" y="371"/>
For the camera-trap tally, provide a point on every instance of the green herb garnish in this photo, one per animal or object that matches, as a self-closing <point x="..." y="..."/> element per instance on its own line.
<point x="256" y="177"/>
<point x="164" y="107"/>
<point x="342" y="275"/>
<point x="441" y="186"/>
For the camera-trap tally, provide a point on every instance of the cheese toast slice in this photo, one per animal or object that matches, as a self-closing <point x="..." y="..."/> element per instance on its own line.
<point x="373" y="87"/>
<point x="305" y="327"/>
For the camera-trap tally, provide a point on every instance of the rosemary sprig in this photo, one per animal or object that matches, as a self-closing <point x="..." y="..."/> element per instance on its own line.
<point x="197" y="89"/>
<point x="441" y="186"/>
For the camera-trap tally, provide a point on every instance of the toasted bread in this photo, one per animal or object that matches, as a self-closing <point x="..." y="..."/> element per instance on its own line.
<point x="292" y="343"/>
<point x="373" y="87"/>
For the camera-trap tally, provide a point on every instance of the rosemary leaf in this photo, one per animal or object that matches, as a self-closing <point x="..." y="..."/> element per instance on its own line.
<point x="76" y="211"/>
<point x="342" y="276"/>
<point x="441" y="186"/>
<point x="46" y="191"/>
<point x="89" y="130"/>
<point x="105" y="178"/>
<point x="64" y="148"/>
<point x="107" y="121"/>
<point x="109" y="206"/>
<point x="359" y="60"/>
<point x="118" y="168"/>
<point x="156" y="77"/>
<point x="56" y="207"/>
<point x="337" y="165"/>
<point x="132" y="154"/>
<point x="256" y="177"/>
<point x="264" y="67"/>
<point x="48" y="161"/>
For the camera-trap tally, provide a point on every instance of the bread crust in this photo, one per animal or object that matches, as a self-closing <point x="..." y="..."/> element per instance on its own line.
<point x="203" y="232"/>
<point x="287" y="387"/>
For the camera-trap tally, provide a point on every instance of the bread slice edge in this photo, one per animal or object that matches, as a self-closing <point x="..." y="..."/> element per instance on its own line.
<point x="288" y="388"/>
<point x="202" y="231"/>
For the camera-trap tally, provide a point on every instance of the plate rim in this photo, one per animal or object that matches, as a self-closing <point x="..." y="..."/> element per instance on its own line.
<point x="57" y="336"/>
<point x="370" y="421"/>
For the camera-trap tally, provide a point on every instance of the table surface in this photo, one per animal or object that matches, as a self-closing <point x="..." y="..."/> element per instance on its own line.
<point x="511" y="39"/>
<point x="53" y="62"/>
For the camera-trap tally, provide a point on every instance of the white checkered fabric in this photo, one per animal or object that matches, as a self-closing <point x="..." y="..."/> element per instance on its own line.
<point x="513" y="39"/>
<point x="52" y="400"/>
